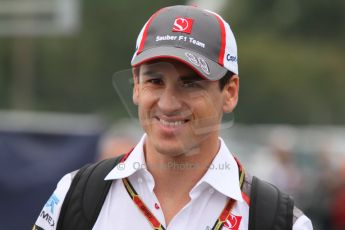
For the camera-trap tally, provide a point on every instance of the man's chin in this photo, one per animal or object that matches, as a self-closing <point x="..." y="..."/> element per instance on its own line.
<point x="177" y="151"/>
<point x="170" y="152"/>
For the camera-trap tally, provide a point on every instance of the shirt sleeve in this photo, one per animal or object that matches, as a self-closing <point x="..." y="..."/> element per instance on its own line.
<point x="48" y="217"/>
<point x="302" y="223"/>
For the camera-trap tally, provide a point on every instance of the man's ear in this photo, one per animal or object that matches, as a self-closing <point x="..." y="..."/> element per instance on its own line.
<point x="135" y="86"/>
<point x="230" y="91"/>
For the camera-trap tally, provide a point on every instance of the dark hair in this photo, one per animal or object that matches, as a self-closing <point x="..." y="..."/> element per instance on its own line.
<point x="222" y="82"/>
<point x="225" y="80"/>
<point x="137" y="71"/>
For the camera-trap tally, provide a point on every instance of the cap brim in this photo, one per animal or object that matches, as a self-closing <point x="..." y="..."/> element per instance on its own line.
<point x="205" y="67"/>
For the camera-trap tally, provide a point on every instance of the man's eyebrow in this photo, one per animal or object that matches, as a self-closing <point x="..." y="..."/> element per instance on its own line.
<point x="150" y="72"/>
<point x="191" y="77"/>
<point x="188" y="77"/>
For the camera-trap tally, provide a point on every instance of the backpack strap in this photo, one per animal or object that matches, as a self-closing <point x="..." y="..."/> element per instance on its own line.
<point x="270" y="209"/>
<point x="86" y="196"/>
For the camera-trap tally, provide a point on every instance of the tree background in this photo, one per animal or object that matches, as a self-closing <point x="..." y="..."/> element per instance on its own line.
<point x="291" y="60"/>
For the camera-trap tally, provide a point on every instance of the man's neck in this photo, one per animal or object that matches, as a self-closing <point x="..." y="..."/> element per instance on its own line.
<point x="175" y="176"/>
<point x="183" y="171"/>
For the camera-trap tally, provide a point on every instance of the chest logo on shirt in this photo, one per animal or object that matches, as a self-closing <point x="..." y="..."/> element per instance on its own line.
<point x="232" y="222"/>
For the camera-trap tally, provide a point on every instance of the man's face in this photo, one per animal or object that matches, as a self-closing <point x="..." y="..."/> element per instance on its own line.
<point x="179" y="111"/>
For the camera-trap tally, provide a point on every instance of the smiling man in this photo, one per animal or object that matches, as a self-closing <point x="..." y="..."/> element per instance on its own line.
<point x="185" y="74"/>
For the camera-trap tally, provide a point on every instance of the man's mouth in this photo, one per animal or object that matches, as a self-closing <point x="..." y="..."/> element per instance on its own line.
<point x="172" y="122"/>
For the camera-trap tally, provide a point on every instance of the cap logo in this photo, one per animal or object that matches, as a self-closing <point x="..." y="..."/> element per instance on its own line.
<point x="183" y="25"/>
<point x="231" y="58"/>
<point x="199" y="62"/>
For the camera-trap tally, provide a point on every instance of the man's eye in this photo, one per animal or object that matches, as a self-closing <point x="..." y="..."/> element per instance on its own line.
<point x="190" y="84"/>
<point x="155" y="81"/>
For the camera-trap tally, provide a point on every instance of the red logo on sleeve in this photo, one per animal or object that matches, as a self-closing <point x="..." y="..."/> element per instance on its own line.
<point x="183" y="25"/>
<point x="232" y="222"/>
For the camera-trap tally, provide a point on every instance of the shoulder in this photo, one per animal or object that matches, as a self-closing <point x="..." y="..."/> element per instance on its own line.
<point x="50" y="212"/>
<point x="299" y="219"/>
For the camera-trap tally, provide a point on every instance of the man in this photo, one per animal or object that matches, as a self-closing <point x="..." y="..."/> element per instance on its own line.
<point x="181" y="174"/>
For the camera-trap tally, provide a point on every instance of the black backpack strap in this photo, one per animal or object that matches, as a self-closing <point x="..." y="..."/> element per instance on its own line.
<point x="86" y="196"/>
<point x="270" y="209"/>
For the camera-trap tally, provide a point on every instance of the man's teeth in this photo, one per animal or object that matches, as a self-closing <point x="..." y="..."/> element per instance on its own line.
<point x="171" y="123"/>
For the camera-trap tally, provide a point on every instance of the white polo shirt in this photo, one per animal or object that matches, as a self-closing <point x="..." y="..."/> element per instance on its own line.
<point x="207" y="198"/>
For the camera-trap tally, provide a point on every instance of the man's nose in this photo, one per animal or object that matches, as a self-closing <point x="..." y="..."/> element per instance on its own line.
<point x="169" y="101"/>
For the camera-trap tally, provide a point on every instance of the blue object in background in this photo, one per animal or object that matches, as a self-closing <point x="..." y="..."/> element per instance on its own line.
<point x="31" y="164"/>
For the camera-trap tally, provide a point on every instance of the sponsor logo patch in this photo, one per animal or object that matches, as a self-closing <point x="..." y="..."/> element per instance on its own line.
<point x="231" y="58"/>
<point x="183" y="25"/>
<point x="232" y="222"/>
<point x="53" y="200"/>
<point x="45" y="216"/>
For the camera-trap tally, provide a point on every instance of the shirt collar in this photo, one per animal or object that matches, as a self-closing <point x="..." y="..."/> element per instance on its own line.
<point x="133" y="163"/>
<point x="222" y="175"/>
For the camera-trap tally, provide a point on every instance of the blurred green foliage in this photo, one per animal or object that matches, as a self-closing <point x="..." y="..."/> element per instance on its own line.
<point x="291" y="57"/>
<point x="292" y="60"/>
<point x="5" y="66"/>
<point x="75" y="73"/>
